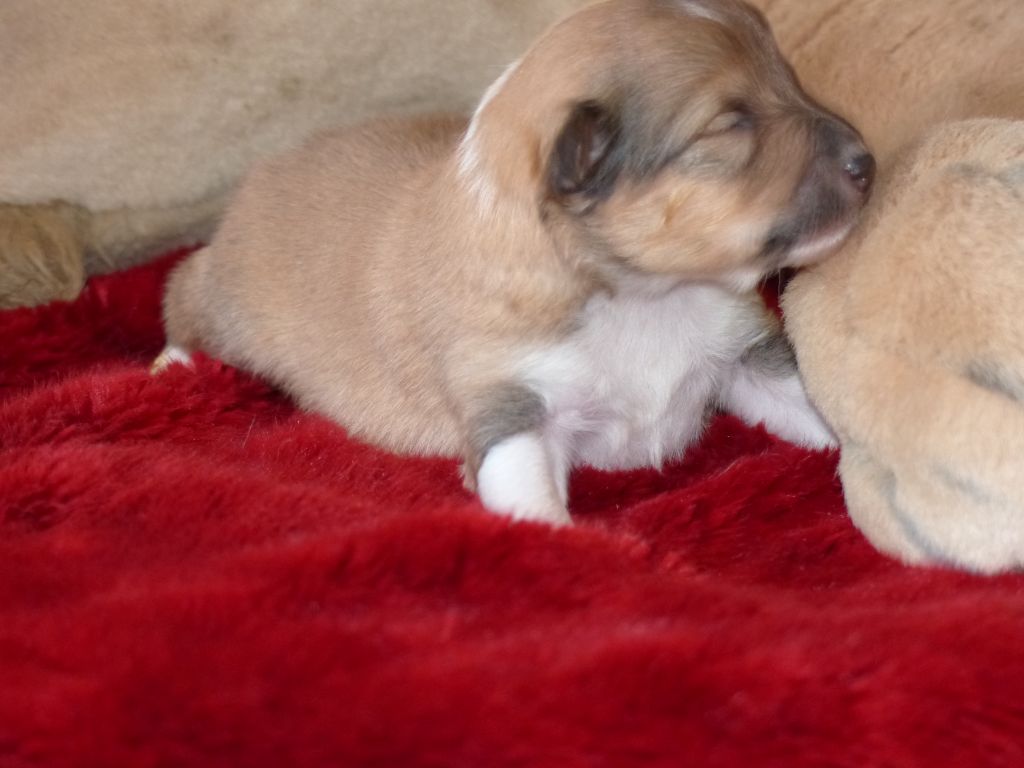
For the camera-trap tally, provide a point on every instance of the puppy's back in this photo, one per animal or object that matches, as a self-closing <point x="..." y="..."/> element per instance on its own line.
<point x="284" y="288"/>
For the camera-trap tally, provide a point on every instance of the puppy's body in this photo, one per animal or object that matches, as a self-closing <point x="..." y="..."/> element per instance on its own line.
<point x="329" y="316"/>
<point x="513" y="290"/>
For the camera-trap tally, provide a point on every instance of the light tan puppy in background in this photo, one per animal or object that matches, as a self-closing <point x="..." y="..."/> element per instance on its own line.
<point x="127" y="123"/>
<point x="912" y="343"/>
<point x="901" y="67"/>
<point x="911" y="340"/>
<point x="567" y="279"/>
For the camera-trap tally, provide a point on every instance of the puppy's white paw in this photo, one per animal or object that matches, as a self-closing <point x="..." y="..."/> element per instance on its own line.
<point x="781" y="404"/>
<point x="809" y="430"/>
<point x="556" y="517"/>
<point x="171" y="355"/>
<point x="797" y="420"/>
<point x="517" y="480"/>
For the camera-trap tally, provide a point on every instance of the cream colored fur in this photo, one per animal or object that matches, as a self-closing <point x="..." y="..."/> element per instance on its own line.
<point x="145" y="113"/>
<point x="900" y="67"/>
<point x="911" y="339"/>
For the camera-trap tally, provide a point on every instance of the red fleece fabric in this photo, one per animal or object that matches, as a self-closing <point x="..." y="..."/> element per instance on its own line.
<point x="193" y="573"/>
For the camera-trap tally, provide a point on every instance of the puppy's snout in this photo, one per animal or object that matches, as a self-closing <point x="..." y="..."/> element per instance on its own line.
<point x="860" y="169"/>
<point x="842" y="151"/>
<point x="829" y="197"/>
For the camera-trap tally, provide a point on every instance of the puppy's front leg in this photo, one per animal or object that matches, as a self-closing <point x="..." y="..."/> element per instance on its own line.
<point x="766" y="388"/>
<point x="516" y="470"/>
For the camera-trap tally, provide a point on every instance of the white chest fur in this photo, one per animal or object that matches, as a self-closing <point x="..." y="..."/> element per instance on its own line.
<point x="632" y="385"/>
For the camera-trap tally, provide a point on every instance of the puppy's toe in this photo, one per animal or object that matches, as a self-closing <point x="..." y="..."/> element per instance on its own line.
<point x="171" y="355"/>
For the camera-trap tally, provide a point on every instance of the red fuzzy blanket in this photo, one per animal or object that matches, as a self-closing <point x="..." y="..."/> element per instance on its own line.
<point x="192" y="573"/>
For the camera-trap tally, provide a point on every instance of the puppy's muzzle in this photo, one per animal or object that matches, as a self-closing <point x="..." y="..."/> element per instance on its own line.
<point x="835" y="187"/>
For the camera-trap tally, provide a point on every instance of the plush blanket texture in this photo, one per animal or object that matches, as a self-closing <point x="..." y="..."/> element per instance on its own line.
<point x="193" y="573"/>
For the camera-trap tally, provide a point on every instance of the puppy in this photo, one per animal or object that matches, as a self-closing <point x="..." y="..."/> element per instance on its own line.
<point x="567" y="279"/>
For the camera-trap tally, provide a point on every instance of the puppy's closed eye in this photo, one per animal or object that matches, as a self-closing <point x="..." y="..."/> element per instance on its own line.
<point x="737" y="118"/>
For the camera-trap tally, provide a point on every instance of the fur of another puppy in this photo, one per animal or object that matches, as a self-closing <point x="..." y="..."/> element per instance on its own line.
<point x="910" y="339"/>
<point x="567" y="279"/>
<point x="48" y="251"/>
<point x="141" y="116"/>
<point x="906" y="66"/>
<point x="40" y="253"/>
<point x="913" y="346"/>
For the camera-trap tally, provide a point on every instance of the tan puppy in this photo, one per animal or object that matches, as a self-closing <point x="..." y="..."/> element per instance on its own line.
<point x="910" y="340"/>
<point x="914" y="348"/>
<point x="568" y="278"/>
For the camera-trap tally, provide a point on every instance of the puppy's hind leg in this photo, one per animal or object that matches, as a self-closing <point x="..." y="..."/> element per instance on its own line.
<point x="517" y="471"/>
<point x="182" y="313"/>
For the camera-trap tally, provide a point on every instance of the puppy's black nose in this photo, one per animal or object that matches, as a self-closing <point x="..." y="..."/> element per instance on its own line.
<point x="861" y="171"/>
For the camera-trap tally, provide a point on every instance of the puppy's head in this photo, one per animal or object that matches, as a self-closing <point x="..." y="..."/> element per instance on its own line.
<point x="674" y="139"/>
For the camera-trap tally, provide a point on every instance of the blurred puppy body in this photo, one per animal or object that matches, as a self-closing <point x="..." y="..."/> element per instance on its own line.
<point x="910" y="339"/>
<point x="568" y="278"/>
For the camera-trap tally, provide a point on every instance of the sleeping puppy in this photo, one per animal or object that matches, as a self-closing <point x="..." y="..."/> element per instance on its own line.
<point x="568" y="279"/>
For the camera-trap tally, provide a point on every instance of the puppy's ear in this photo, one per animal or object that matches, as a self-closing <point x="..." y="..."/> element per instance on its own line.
<point x="583" y="160"/>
